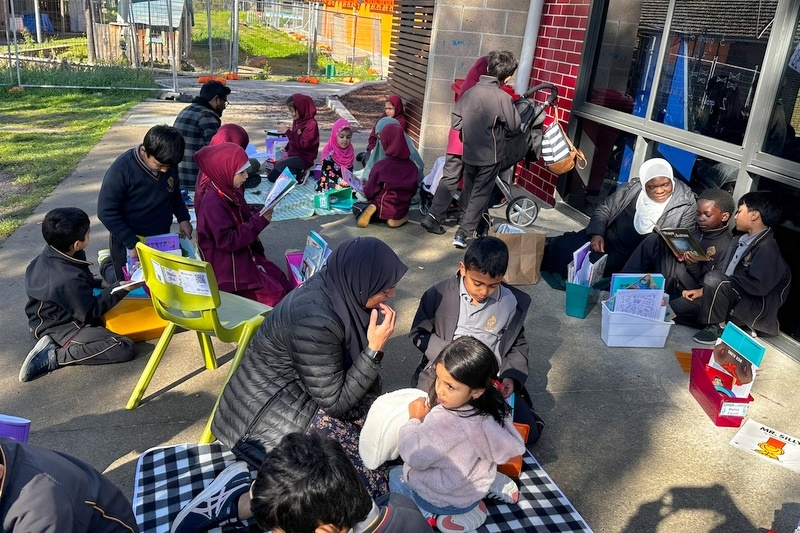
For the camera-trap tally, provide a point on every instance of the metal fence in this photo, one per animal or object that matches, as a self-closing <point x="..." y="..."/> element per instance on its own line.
<point x="204" y="36"/>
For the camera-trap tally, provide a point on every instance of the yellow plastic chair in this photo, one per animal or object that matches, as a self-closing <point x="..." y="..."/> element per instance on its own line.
<point x="184" y="293"/>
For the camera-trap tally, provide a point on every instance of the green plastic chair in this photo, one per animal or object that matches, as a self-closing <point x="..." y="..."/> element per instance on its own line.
<point x="185" y="294"/>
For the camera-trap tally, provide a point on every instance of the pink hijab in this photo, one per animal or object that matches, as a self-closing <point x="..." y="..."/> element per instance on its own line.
<point x="220" y="163"/>
<point x="345" y="157"/>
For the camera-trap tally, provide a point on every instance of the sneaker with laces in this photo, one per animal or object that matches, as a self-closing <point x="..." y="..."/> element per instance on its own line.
<point x="460" y="238"/>
<point x="709" y="335"/>
<point x="432" y="225"/>
<point x="40" y="360"/>
<point x="465" y="522"/>
<point x="504" y="489"/>
<point x="102" y="255"/>
<point x="218" y="503"/>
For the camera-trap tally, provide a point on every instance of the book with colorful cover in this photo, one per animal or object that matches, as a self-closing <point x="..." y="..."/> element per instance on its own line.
<point x="314" y="255"/>
<point x="636" y="281"/>
<point x="739" y="355"/>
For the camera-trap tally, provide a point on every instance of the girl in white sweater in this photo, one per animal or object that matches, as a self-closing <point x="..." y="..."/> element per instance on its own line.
<point x="451" y="450"/>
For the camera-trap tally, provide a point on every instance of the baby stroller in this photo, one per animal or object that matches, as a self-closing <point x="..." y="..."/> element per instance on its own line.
<point x="523" y="143"/>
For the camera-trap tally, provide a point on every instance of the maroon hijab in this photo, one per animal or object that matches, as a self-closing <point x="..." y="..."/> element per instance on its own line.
<point x="393" y="141"/>
<point x="480" y="68"/>
<point x="399" y="116"/>
<point x="306" y="110"/>
<point x="228" y="133"/>
<point x="220" y="163"/>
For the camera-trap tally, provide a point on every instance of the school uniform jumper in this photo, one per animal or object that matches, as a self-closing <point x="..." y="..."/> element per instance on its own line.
<point x="45" y="491"/>
<point x="484" y="115"/>
<point x="752" y="295"/>
<point x="61" y="303"/>
<point x="653" y="255"/>
<point x="135" y="200"/>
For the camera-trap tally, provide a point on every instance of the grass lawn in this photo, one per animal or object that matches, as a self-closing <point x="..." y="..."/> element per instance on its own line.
<point x="44" y="133"/>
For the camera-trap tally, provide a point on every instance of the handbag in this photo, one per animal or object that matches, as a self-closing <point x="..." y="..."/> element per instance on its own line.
<point x="558" y="152"/>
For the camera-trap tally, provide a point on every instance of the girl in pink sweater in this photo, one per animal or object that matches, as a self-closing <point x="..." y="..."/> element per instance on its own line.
<point x="451" y="450"/>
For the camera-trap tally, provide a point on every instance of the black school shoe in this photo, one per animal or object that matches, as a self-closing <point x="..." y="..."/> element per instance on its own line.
<point x="432" y="225"/>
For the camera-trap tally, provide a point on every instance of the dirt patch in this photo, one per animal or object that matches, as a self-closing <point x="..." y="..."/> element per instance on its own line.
<point x="366" y="103"/>
<point x="9" y="188"/>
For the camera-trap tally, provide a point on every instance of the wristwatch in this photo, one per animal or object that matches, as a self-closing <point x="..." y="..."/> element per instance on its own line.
<point x="375" y="355"/>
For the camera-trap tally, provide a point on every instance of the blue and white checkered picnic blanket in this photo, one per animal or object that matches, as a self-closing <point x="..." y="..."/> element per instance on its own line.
<point x="167" y="478"/>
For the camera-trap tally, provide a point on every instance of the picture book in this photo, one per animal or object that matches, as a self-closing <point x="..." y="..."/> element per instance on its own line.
<point x="275" y="146"/>
<point x="680" y="241"/>
<point x="644" y="303"/>
<point x="314" y="255"/>
<point x="283" y="186"/>
<point x="352" y="181"/>
<point x="739" y="355"/>
<point x="636" y="281"/>
<point x="581" y="270"/>
<point x="770" y="444"/>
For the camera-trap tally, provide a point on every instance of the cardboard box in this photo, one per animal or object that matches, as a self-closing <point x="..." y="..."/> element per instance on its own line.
<point x="294" y="259"/>
<point x="624" y="329"/>
<point x="724" y="411"/>
<point x="580" y="299"/>
<point x="134" y="318"/>
<point x="334" y="199"/>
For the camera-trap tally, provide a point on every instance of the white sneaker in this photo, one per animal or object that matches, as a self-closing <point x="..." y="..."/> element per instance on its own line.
<point x="503" y="488"/>
<point x="463" y="523"/>
<point x="217" y="504"/>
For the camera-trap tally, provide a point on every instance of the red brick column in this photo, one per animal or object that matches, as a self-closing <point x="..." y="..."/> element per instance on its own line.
<point x="558" y="54"/>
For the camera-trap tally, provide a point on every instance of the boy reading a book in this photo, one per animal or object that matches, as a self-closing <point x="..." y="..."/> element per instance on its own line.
<point x="63" y="312"/>
<point x="715" y="207"/>
<point x="476" y="302"/>
<point x="750" y="284"/>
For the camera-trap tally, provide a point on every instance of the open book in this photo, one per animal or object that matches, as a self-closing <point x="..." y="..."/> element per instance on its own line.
<point x="283" y="186"/>
<point x="680" y="241"/>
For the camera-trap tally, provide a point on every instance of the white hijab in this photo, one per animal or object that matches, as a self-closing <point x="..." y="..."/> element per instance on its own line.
<point x="648" y="211"/>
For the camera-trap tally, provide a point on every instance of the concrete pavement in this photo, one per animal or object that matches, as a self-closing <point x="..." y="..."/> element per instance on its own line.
<point x="625" y="440"/>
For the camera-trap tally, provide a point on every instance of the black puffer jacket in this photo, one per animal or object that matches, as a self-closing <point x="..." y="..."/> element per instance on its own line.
<point x="294" y="364"/>
<point x="681" y="210"/>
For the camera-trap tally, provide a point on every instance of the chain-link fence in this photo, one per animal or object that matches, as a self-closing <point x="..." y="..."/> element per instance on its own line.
<point x="252" y="37"/>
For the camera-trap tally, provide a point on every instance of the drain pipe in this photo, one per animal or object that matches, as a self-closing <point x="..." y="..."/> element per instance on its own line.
<point x="529" y="45"/>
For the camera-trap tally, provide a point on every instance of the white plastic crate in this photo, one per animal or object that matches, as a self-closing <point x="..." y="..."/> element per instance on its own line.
<point x="624" y="329"/>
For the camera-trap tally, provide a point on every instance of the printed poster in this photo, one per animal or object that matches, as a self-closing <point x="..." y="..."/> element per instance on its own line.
<point x="769" y="444"/>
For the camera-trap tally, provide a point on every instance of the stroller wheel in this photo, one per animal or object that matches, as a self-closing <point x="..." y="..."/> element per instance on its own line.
<point x="522" y="211"/>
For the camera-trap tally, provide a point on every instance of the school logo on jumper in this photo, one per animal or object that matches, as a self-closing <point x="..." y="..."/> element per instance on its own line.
<point x="711" y="251"/>
<point x="170" y="184"/>
<point x="491" y="323"/>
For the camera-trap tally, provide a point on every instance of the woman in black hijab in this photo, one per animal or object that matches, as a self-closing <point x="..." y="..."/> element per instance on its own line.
<point x="316" y="357"/>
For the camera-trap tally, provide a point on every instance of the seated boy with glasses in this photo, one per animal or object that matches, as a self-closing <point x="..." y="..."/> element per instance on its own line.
<point x="139" y="196"/>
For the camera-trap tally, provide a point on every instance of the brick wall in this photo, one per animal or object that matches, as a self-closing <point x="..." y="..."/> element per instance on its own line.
<point x="558" y="54"/>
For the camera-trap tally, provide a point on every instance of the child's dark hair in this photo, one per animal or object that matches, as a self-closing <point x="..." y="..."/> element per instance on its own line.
<point x="165" y="143"/>
<point x="721" y="198"/>
<point x="488" y="255"/>
<point x="471" y="362"/>
<point x="290" y="102"/>
<point x="501" y="65"/>
<point x="763" y="202"/>
<point x="63" y="226"/>
<point x="306" y="481"/>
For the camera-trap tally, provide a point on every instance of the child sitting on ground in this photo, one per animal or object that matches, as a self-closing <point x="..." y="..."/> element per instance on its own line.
<point x="392" y="182"/>
<point x="228" y="229"/>
<point x="452" y="445"/>
<point x="63" y="312"/>
<point x="714" y="209"/>
<point x="337" y="155"/>
<point x="306" y="484"/>
<point x="750" y="284"/>
<point x="301" y="151"/>
<point x="393" y="108"/>
<point x="476" y="302"/>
